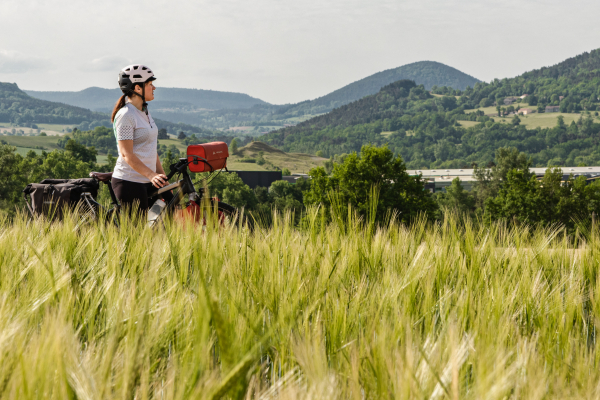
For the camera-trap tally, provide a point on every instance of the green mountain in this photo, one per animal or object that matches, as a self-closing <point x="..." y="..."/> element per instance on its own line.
<point x="427" y="73"/>
<point x="99" y="99"/>
<point x="19" y="108"/>
<point x="221" y="110"/>
<point x="430" y="132"/>
<point x="573" y="85"/>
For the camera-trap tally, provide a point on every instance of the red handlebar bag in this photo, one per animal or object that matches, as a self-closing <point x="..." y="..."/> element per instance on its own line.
<point x="207" y="157"/>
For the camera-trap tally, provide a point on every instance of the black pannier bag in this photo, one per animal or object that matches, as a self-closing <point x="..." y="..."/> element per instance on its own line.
<point x="50" y="197"/>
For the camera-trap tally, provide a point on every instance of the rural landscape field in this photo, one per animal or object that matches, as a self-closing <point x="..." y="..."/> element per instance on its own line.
<point x="315" y="200"/>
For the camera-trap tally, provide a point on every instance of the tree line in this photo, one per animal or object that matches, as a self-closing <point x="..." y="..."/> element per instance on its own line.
<point x="373" y="181"/>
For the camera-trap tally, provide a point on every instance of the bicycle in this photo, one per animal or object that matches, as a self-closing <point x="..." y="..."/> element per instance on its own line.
<point x="183" y="187"/>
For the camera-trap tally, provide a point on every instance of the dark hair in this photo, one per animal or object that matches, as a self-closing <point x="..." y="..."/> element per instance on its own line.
<point x="120" y="104"/>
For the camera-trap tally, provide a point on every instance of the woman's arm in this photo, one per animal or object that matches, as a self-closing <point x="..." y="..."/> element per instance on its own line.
<point x="158" y="179"/>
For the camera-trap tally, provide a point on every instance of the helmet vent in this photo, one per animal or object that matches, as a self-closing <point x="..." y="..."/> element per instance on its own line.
<point x="137" y="76"/>
<point x="135" y="67"/>
<point x="144" y="68"/>
<point x="128" y="69"/>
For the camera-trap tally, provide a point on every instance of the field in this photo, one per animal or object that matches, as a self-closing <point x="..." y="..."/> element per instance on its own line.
<point x="295" y="162"/>
<point x="329" y="311"/>
<point x="47" y="142"/>
<point x="50" y="129"/>
<point x="531" y="121"/>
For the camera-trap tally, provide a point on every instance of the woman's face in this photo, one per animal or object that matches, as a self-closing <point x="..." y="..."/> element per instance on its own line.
<point x="149" y="90"/>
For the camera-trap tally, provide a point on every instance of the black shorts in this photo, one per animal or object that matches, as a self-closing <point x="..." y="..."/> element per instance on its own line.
<point x="128" y="193"/>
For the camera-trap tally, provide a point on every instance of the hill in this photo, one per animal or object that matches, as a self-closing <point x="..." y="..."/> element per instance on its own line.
<point x="436" y="132"/>
<point x="573" y="85"/>
<point x="20" y="109"/>
<point x="427" y="73"/>
<point x="103" y="100"/>
<point x="222" y="110"/>
<point x="247" y="157"/>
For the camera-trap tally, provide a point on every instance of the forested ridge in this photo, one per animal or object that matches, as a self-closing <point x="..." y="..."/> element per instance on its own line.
<point x="101" y="99"/>
<point x="426" y="132"/>
<point x="18" y="108"/>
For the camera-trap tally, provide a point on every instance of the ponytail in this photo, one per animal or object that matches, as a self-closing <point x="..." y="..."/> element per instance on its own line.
<point x="120" y="104"/>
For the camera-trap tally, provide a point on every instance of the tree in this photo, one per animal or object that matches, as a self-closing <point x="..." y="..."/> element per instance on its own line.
<point x="230" y="188"/>
<point x="233" y="146"/>
<point x="353" y="181"/>
<point x="11" y="180"/>
<point x="457" y="198"/>
<point x="320" y="153"/>
<point x="490" y="180"/>
<point x="111" y="161"/>
<point x="328" y="165"/>
<point x="287" y="197"/>
<point x="286" y="172"/>
<point x="546" y="201"/>
<point x="516" y="121"/>
<point x="162" y="134"/>
<point x="81" y="152"/>
<point x="181" y="135"/>
<point x="169" y="159"/>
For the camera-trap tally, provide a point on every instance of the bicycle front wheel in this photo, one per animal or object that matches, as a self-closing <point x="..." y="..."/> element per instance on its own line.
<point x="223" y="213"/>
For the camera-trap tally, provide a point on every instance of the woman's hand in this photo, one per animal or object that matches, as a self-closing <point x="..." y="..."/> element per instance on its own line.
<point x="158" y="180"/>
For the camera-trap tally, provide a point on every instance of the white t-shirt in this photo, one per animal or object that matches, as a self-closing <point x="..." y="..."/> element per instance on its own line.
<point x="133" y="124"/>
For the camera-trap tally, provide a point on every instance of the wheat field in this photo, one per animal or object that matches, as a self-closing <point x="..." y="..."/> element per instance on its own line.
<point x="341" y="310"/>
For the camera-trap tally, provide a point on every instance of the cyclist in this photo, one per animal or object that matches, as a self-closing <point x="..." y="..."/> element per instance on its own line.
<point x="138" y="167"/>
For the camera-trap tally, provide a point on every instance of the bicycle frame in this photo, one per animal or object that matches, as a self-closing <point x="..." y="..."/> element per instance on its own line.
<point x="183" y="187"/>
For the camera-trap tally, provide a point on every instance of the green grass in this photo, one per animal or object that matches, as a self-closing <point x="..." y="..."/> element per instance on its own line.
<point x="24" y="150"/>
<point x="50" y="129"/>
<point x="335" y="311"/>
<point x="178" y="143"/>
<point x="295" y="162"/>
<point x="468" y="124"/>
<point x="531" y="121"/>
<point x="47" y="142"/>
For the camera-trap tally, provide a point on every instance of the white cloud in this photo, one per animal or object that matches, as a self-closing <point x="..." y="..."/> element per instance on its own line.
<point x="106" y="63"/>
<point x="13" y="62"/>
<point x="283" y="50"/>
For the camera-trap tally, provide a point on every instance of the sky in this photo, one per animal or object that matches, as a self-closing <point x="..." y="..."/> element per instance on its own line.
<point x="282" y="51"/>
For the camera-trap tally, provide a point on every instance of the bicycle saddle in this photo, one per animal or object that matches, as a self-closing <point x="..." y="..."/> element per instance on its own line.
<point x="102" y="176"/>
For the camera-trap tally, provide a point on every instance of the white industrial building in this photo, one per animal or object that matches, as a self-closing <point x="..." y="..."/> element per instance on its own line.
<point x="439" y="179"/>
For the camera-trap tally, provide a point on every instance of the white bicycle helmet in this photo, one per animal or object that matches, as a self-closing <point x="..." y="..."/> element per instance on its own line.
<point x="136" y="74"/>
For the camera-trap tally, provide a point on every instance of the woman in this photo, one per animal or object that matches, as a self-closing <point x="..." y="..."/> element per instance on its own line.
<point x="138" y="168"/>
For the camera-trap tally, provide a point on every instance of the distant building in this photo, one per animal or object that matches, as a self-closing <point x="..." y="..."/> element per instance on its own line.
<point x="522" y="97"/>
<point x="258" y="178"/>
<point x="509" y="100"/>
<point x="439" y="180"/>
<point x="525" y="111"/>
<point x="560" y="98"/>
<point x="552" y="109"/>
